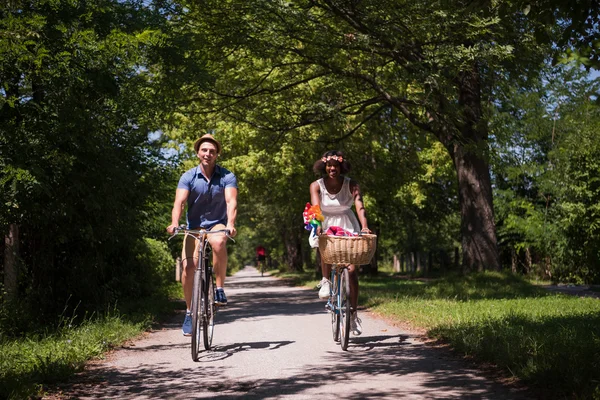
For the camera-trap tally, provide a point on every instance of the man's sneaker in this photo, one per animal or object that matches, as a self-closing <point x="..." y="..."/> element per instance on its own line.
<point x="355" y="326"/>
<point x="220" y="298"/>
<point x="325" y="291"/>
<point x="186" y="329"/>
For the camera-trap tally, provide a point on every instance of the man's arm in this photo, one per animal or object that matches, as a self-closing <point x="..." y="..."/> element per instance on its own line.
<point x="181" y="196"/>
<point x="231" y="200"/>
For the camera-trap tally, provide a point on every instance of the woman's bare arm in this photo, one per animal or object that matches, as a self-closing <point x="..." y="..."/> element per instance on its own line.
<point x="359" y="205"/>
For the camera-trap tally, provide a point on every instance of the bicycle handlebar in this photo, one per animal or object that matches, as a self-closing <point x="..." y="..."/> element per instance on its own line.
<point x="183" y="230"/>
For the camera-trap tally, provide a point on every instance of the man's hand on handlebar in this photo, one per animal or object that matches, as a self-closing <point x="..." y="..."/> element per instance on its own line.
<point x="232" y="231"/>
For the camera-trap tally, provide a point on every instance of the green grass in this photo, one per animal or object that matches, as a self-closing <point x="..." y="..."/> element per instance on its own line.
<point x="546" y="340"/>
<point x="29" y="363"/>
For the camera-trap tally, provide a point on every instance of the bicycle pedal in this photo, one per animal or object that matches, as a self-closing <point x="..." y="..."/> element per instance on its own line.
<point x="328" y="307"/>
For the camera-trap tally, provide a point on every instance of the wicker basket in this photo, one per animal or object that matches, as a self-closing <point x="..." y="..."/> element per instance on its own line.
<point x="357" y="250"/>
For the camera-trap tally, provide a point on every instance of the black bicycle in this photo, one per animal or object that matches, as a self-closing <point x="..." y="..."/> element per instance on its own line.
<point x="203" y="295"/>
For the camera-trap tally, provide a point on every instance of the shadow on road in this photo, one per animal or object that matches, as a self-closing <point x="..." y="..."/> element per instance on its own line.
<point x="393" y="356"/>
<point x="155" y="382"/>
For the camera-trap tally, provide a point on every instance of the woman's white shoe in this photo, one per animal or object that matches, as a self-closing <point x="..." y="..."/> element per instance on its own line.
<point x="325" y="291"/>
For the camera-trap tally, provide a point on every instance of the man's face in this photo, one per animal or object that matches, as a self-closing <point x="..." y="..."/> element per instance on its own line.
<point x="207" y="153"/>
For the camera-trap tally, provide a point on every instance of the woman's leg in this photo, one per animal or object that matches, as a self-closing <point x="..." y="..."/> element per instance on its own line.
<point x="325" y="283"/>
<point x="325" y="269"/>
<point x="355" y="322"/>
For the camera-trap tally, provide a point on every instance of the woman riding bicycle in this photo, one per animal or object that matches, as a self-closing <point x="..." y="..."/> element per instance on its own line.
<point x="335" y="193"/>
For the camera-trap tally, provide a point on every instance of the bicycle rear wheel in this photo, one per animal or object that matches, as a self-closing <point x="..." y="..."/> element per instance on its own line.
<point x="196" y="314"/>
<point x="335" y="315"/>
<point x="344" y="308"/>
<point x="208" y="320"/>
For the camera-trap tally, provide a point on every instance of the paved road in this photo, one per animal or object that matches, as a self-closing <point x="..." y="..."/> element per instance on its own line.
<point x="274" y="342"/>
<point x="575" y="290"/>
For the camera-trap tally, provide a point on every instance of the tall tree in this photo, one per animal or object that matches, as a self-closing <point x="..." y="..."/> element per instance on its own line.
<point x="76" y="168"/>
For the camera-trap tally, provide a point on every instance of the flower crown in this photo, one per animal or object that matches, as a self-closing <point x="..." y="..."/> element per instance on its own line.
<point x="334" y="158"/>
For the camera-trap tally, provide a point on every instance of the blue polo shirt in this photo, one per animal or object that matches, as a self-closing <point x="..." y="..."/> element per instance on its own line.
<point x="206" y="200"/>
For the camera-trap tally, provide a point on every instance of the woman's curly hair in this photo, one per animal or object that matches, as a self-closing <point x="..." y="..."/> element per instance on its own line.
<point x="319" y="166"/>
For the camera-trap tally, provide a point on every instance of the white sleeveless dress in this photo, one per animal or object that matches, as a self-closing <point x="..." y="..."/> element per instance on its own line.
<point x="337" y="208"/>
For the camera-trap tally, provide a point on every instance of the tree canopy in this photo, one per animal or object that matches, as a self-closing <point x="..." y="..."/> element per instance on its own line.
<point x="325" y="69"/>
<point x="459" y="129"/>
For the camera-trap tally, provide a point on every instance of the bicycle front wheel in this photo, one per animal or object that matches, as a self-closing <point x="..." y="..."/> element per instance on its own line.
<point x="344" y="308"/>
<point x="210" y="309"/>
<point x="335" y="315"/>
<point x="196" y="314"/>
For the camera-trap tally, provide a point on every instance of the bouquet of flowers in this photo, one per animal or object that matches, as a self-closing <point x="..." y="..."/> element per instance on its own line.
<point x="312" y="218"/>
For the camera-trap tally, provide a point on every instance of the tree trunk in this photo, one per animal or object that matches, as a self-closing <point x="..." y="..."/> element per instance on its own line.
<point x="429" y="266"/>
<point x="456" y="258"/>
<point x="11" y="255"/>
<point x="548" y="267"/>
<point x="513" y="260"/>
<point x="443" y="260"/>
<point x="478" y="229"/>
<point x="306" y="254"/>
<point x="528" y="261"/>
<point x="293" y="256"/>
<point x="469" y="151"/>
<point x="318" y="271"/>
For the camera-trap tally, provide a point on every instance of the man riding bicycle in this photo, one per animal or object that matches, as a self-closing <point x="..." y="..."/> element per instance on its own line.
<point x="210" y="192"/>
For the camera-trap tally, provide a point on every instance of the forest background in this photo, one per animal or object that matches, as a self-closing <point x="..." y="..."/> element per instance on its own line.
<point x="471" y="127"/>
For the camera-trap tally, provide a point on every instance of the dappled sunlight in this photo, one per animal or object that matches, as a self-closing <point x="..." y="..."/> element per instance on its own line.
<point x="303" y="360"/>
<point x="375" y="358"/>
